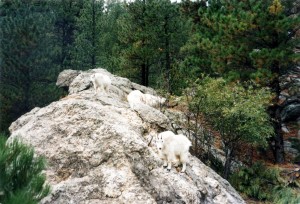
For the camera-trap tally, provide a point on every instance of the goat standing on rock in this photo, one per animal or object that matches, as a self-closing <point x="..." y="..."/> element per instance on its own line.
<point x="171" y="146"/>
<point x="101" y="82"/>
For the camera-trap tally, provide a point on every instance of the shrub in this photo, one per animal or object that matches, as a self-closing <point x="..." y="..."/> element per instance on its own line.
<point x="285" y="195"/>
<point x="264" y="183"/>
<point x="256" y="181"/>
<point x="21" y="180"/>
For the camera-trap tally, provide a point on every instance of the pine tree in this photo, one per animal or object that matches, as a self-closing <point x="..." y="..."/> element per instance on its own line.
<point x="27" y="49"/>
<point x="138" y="32"/>
<point x="109" y="45"/>
<point x="86" y="46"/>
<point x="66" y="12"/>
<point x="21" y="180"/>
<point x="172" y="33"/>
<point x="154" y="32"/>
<point x="246" y="40"/>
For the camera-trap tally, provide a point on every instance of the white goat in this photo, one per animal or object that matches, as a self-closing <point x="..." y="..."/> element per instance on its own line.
<point x="134" y="98"/>
<point x="101" y="82"/>
<point x="172" y="147"/>
<point x="153" y="101"/>
<point x="137" y="97"/>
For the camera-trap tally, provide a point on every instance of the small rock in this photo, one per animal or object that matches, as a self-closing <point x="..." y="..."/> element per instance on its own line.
<point x="284" y="128"/>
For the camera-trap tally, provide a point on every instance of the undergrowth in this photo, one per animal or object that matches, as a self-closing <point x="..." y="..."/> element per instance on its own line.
<point x="264" y="184"/>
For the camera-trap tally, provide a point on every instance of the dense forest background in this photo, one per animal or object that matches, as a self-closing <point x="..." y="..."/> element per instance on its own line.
<point x="167" y="45"/>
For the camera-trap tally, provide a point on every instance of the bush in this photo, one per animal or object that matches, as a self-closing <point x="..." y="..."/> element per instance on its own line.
<point x="256" y="181"/>
<point x="283" y="195"/>
<point x="264" y="184"/>
<point x="21" y="180"/>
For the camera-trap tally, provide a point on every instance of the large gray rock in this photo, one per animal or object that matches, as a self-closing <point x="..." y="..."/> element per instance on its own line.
<point x="66" y="77"/>
<point x="97" y="152"/>
<point x="290" y="110"/>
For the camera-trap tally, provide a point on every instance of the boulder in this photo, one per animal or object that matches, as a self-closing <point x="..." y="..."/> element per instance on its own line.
<point x="66" y="77"/>
<point x="98" y="151"/>
<point x="290" y="112"/>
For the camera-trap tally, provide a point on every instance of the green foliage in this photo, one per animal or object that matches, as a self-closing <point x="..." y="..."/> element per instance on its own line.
<point x="152" y="33"/>
<point x="252" y="38"/>
<point x="66" y="13"/>
<point x="109" y="45"/>
<point x="28" y="51"/>
<point x="137" y="29"/>
<point x="263" y="183"/>
<point x="256" y="181"/>
<point x="21" y="180"/>
<point x="285" y="195"/>
<point x="86" y="45"/>
<point x="234" y="111"/>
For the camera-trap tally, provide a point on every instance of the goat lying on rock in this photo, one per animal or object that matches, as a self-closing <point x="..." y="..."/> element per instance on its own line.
<point x="101" y="82"/>
<point x="134" y="98"/>
<point x="172" y="147"/>
<point x="137" y="97"/>
<point x="153" y="101"/>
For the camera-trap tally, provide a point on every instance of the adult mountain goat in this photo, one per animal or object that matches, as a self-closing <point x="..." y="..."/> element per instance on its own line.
<point x="153" y="101"/>
<point x="134" y="98"/>
<point x="137" y="97"/>
<point x="172" y="147"/>
<point x="101" y="82"/>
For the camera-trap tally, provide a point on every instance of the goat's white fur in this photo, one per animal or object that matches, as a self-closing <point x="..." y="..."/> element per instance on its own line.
<point x="101" y="82"/>
<point x="137" y="97"/>
<point x="153" y="101"/>
<point x="172" y="147"/>
<point x="134" y="98"/>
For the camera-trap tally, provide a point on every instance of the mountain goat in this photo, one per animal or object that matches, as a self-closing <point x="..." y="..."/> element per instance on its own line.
<point x="153" y="101"/>
<point x="172" y="147"/>
<point x="101" y="82"/>
<point x="136" y="97"/>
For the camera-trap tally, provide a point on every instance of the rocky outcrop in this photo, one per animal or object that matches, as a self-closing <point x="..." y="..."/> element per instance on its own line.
<point x="290" y="95"/>
<point x="290" y="99"/>
<point x="98" y="150"/>
<point x="66" y="77"/>
<point x="290" y="84"/>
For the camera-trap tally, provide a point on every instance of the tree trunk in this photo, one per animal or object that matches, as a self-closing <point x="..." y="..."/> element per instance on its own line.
<point x="144" y="74"/>
<point x="147" y="75"/>
<point x="275" y="114"/>
<point x="276" y="142"/>
<point x="229" y="157"/>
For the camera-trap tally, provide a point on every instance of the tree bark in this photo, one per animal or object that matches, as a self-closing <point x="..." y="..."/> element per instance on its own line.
<point x="228" y="156"/>
<point x="277" y="140"/>
<point x="144" y="74"/>
<point x="275" y="115"/>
